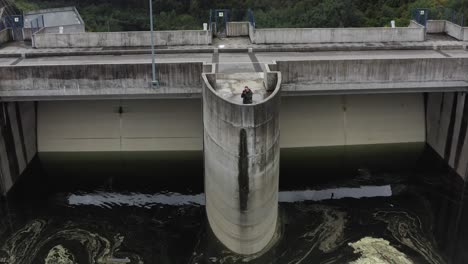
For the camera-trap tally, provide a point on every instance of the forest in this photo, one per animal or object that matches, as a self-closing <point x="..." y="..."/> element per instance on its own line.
<point x="129" y="15"/>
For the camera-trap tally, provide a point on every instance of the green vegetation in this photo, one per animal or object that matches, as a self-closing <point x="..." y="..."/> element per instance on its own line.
<point x="128" y="15"/>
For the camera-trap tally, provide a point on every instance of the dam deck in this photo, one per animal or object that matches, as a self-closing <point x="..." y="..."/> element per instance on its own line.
<point x="305" y="73"/>
<point x="229" y="45"/>
<point x="230" y="86"/>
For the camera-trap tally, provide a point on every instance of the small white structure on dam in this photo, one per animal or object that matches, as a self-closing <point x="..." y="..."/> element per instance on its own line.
<point x="242" y="150"/>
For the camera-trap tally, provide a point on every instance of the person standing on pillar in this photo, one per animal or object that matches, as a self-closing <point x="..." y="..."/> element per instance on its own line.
<point x="247" y="95"/>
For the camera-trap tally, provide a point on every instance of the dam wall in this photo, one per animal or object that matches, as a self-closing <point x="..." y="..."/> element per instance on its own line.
<point x="17" y="141"/>
<point x="414" y="32"/>
<point x="99" y="80"/>
<point x="237" y="29"/>
<point x="114" y="125"/>
<point x="444" y="26"/>
<point x="447" y="126"/>
<point x="300" y="74"/>
<point x="121" y="39"/>
<point x="176" y="124"/>
<point x="183" y="79"/>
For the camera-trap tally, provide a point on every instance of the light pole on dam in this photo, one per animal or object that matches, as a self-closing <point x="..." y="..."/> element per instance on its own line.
<point x="241" y="151"/>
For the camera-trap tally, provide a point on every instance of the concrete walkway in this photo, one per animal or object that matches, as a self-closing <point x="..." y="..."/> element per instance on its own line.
<point x="230" y="86"/>
<point x="232" y="45"/>
<point x="234" y="62"/>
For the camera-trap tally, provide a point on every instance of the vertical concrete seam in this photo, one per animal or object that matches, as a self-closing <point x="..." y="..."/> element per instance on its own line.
<point x="462" y="137"/>
<point x="215" y="61"/>
<point x="345" y="124"/>
<point x="10" y="144"/>
<point x="426" y="112"/>
<point x="21" y="131"/>
<point x="439" y="127"/>
<point x="36" y="126"/>
<point x="448" y="140"/>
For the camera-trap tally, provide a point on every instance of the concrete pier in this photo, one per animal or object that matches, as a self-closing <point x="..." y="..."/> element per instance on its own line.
<point x="17" y="141"/>
<point x="241" y="149"/>
<point x="446" y="128"/>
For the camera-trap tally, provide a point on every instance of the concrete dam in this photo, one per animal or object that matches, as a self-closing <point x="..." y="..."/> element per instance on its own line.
<point x="104" y="107"/>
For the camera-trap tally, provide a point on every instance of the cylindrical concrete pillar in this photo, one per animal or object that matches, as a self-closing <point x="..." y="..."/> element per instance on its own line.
<point x="241" y="146"/>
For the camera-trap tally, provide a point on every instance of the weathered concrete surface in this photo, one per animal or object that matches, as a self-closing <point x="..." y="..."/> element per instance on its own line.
<point x="241" y="146"/>
<point x="163" y="125"/>
<point x="17" y="141"/>
<point x="131" y="79"/>
<point x="120" y="125"/>
<point x="313" y="121"/>
<point x="454" y="30"/>
<point x="108" y="80"/>
<point x="5" y="36"/>
<point x="52" y="19"/>
<point x="332" y="76"/>
<point x="447" y="127"/>
<point x="435" y="26"/>
<point x="52" y="30"/>
<point x="414" y="24"/>
<point x="122" y="39"/>
<point x="237" y="29"/>
<point x="447" y="27"/>
<point x="335" y="35"/>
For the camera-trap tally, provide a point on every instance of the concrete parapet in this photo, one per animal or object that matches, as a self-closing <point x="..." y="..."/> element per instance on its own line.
<point x="252" y="33"/>
<point x="435" y="26"/>
<point x="335" y="35"/>
<point x="79" y="28"/>
<point x="447" y="27"/>
<point x="17" y="141"/>
<point x="346" y="72"/>
<point x="237" y="29"/>
<point x="241" y="146"/>
<point x="122" y="39"/>
<point x="67" y="18"/>
<point x="124" y="80"/>
<point x="414" y="24"/>
<point x="5" y="36"/>
<point x="454" y="30"/>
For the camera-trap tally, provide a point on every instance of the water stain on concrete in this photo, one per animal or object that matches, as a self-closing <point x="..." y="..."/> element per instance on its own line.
<point x="243" y="171"/>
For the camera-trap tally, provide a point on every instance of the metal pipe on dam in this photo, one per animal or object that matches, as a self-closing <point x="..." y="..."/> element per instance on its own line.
<point x="241" y="150"/>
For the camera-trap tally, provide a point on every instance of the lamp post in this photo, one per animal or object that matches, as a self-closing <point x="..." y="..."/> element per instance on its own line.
<point x="154" y="82"/>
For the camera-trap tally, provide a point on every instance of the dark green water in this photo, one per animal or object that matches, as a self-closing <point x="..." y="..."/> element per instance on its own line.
<point x="379" y="204"/>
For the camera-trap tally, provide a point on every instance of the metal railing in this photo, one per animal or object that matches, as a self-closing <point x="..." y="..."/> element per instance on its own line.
<point x="421" y="15"/>
<point x="251" y="17"/>
<point x="2" y="24"/>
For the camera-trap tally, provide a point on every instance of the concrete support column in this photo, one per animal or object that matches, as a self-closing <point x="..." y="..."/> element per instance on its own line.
<point x="17" y="141"/>
<point x="447" y="128"/>
<point x="241" y="149"/>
